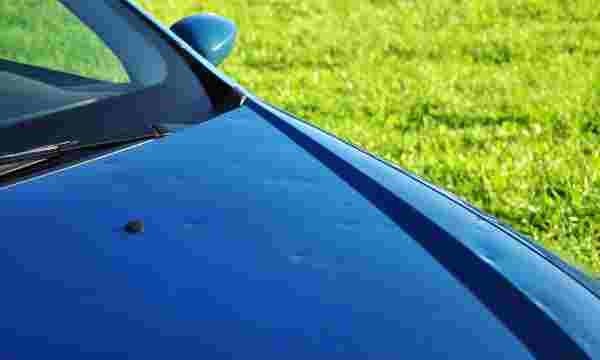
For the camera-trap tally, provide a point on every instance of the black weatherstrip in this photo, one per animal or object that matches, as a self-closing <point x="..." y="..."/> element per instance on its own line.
<point x="542" y="336"/>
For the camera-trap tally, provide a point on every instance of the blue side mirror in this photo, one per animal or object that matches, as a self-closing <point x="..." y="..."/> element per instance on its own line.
<point x="210" y="35"/>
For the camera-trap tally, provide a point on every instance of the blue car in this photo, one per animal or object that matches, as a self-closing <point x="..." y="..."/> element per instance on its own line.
<point x="151" y="208"/>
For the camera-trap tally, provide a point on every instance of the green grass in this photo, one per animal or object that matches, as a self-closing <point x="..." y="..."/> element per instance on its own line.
<point x="497" y="101"/>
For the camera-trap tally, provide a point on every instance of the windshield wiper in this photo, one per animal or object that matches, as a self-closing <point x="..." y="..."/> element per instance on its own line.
<point x="12" y="162"/>
<point x="19" y="165"/>
<point x="37" y="153"/>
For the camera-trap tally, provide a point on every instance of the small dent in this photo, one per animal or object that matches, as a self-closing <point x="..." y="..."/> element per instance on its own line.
<point x="291" y="182"/>
<point x="300" y="256"/>
<point x="192" y="223"/>
<point x="176" y="180"/>
<point x="308" y="259"/>
<point x="348" y="224"/>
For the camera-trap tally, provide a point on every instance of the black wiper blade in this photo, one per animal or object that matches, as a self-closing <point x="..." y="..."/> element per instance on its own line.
<point x="19" y="165"/>
<point x="39" y="152"/>
<point x="26" y="158"/>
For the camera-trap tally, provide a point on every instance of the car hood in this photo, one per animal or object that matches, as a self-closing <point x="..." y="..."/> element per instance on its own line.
<point x="264" y="236"/>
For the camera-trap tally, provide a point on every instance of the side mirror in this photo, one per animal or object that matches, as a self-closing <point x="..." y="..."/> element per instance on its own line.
<point x="210" y="35"/>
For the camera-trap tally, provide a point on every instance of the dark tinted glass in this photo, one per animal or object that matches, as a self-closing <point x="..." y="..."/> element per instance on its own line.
<point x="90" y="71"/>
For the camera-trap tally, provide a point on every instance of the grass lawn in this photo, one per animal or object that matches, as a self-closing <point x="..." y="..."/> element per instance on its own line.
<point x="497" y="101"/>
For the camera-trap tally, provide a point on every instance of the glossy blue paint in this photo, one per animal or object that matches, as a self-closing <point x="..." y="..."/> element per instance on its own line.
<point x="256" y="244"/>
<point x="210" y="35"/>
<point x="266" y="237"/>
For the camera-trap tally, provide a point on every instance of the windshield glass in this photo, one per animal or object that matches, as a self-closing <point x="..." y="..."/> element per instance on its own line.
<point x="51" y="60"/>
<point x="90" y="71"/>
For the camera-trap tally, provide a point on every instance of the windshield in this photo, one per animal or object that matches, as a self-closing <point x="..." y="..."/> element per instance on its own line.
<point x="50" y="60"/>
<point x="90" y="71"/>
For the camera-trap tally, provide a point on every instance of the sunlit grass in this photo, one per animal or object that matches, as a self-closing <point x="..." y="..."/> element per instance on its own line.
<point x="497" y="101"/>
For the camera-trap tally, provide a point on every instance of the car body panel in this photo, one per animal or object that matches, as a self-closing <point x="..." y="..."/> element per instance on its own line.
<point x="254" y="243"/>
<point x="264" y="236"/>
